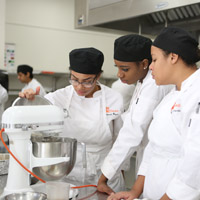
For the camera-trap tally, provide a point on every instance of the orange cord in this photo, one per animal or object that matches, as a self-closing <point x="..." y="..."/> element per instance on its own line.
<point x="1" y="131"/>
<point x="82" y="186"/>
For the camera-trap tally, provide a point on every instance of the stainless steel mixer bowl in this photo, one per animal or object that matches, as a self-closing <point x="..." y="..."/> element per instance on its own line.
<point x="26" y="196"/>
<point x="48" y="147"/>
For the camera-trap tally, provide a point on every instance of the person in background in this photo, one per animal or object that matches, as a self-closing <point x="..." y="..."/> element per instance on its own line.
<point x="170" y="166"/>
<point x="3" y="99"/>
<point x="125" y="90"/>
<point x="25" y="75"/>
<point x="132" y="57"/>
<point x="94" y="114"/>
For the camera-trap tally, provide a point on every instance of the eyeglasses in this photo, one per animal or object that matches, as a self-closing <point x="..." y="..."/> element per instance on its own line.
<point x="88" y="84"/>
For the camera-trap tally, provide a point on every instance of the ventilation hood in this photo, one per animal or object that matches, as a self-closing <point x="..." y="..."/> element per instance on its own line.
<point x="139" y="16"/>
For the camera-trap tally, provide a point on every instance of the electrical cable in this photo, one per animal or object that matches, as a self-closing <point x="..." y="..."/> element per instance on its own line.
<point x="1" y="131"/>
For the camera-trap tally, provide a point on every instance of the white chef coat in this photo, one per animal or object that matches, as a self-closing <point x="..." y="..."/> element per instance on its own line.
<point x="125" y="90"/>
<point x="172" y="158"/>
<point x="133" y="135"/>
<point x="33" y="84"/>
<point x="3" y="99"/>
<point x="94" y="121"/>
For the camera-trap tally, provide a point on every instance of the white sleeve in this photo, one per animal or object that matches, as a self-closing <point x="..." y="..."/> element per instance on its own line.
<point x="3" y="95"/>
<point x="187" y="178"/>
<point x="42" y="91"/>
<point x="136" y="124"/>
<point x="117" y="125"/>
<point x="145" y="160"/>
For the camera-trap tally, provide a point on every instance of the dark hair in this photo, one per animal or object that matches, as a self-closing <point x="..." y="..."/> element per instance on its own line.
<point x="86" y="60"/>
<point x="185" y="60"/>
<point x="132" y="48"/>
<point x="4" y="80"/>
<point x="178" y="41"/>
<point x="25" y="69"/>
<point x="138" y="62"/>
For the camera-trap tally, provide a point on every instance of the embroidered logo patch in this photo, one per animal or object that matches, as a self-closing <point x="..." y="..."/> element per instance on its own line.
<point x="110" y="111"/>
<point x="176" y="107"/>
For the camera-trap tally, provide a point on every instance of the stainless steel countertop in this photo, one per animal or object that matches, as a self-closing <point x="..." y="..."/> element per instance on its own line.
<point x="87" y="193"/>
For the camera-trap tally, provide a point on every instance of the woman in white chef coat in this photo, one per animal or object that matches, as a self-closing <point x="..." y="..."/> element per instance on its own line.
<point x="94" y="114"/>
<point x="132" y="57"/>
<point x="170" y="166"/>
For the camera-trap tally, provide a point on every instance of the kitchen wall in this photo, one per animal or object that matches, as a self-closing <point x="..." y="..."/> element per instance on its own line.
<point x="2" y="32"/>
<point x="43" y="33"/>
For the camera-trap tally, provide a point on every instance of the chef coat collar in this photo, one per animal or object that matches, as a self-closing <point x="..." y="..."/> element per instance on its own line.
<point x="189" y="81"/>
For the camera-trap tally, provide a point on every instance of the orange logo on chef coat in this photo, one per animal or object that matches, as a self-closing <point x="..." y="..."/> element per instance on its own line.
<point x="176" y="107"/>
<point x="111" y="111"/>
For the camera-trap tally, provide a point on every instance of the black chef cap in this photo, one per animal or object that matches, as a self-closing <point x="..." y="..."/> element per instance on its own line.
<point x="177" y="40"/>
<point x="132" y="48"/>
<point x="86" y="60"/>
<point x="24" y="69"/>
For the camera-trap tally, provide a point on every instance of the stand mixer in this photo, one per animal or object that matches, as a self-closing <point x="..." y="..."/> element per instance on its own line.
<point x="19" y="123"/>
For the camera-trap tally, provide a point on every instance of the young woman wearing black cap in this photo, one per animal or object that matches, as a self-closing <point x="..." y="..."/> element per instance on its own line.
<point x="94" y="114"/>
<point x="132" y="57"/>
<point x="170" y="166"/>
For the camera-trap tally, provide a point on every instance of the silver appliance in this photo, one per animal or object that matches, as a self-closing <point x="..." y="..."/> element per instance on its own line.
<point x="140" y="16"/>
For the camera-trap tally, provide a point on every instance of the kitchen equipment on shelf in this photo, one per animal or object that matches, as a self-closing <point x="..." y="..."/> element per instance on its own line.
<point x="19" y="123"/>
<point x="4" y="163"/>
<point x="50" y="147"/>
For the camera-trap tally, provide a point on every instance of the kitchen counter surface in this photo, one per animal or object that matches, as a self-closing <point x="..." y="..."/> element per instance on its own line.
<point x="87" y="193"/>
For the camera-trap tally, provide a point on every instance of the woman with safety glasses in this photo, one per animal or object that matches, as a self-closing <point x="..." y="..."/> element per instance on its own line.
<point x="93" y="114"/>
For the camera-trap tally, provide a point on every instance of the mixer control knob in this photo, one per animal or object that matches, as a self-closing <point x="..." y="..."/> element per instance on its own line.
<point x="25" y="127"/>
<point x="33" y="126"/>
<point x="30" y="126"/>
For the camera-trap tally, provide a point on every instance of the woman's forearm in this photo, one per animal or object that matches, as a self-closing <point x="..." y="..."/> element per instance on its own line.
<point x="138" y="185"/>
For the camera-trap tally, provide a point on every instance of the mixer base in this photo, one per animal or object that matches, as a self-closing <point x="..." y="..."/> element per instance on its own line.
<point x="40" y="187"/>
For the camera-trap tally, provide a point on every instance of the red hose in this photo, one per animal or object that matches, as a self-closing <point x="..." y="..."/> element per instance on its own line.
<point x="82" y="186"/>
<point x="1" y="131"/>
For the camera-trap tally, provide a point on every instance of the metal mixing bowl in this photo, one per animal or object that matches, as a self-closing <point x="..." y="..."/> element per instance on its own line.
<point x="26" y="196"/>
<point x="48" y="147"/>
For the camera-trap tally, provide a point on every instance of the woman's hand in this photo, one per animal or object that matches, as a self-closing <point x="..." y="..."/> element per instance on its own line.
<point x="165" y="197"/>
<point x="29" y="93"/>
<point x="126" y="195"/>
<point x="102" y="185"/>
<point x="135" y="192"/>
